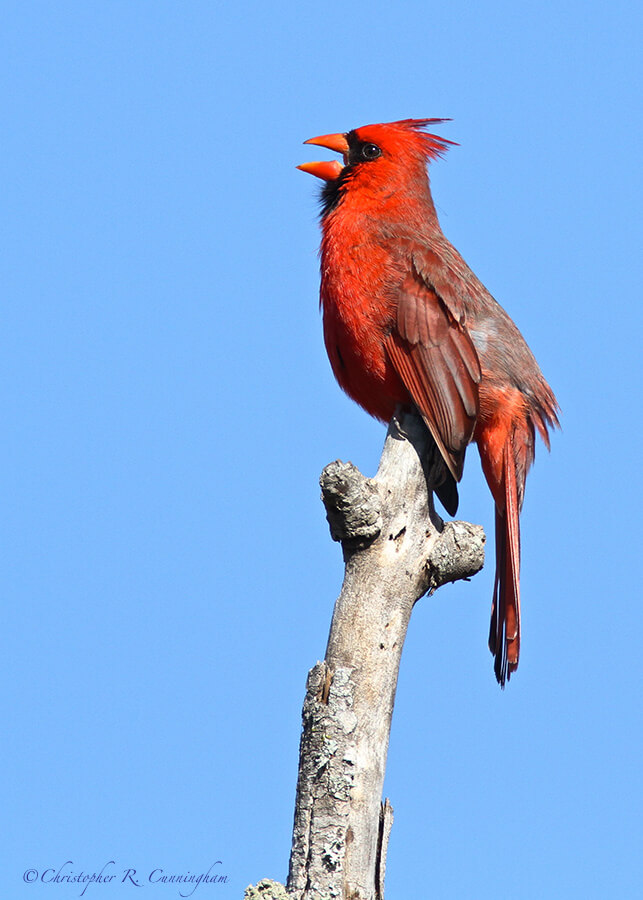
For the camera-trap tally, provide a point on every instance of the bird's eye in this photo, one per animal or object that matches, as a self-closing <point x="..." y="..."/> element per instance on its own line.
<point x="370" y="151"/>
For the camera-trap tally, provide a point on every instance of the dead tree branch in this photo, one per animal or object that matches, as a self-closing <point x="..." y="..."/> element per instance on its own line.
<point x="396" y="549"/>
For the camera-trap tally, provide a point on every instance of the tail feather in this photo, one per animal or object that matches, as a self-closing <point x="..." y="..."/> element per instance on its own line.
<point x="504" y="632"/>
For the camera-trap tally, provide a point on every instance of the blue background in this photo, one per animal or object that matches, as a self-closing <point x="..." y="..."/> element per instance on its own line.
<point x="167" y="407"/>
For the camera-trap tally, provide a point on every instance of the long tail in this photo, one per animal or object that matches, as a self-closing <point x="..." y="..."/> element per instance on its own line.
<point x="504" y="632"/>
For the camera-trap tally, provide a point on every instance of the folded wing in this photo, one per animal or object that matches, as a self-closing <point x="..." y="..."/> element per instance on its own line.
<point x="435" y="358"/>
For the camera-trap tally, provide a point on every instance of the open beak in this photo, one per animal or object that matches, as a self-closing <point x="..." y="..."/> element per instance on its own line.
<point x="327" y="170"/>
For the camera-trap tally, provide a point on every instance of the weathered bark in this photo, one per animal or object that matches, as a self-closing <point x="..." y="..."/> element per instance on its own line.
<point x="396" y="549"/>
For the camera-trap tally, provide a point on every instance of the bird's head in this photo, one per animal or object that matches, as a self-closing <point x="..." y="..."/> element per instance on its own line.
<point x="379" y="159"/>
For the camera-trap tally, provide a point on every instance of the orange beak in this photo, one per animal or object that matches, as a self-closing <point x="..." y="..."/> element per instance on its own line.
<point x="327" y="170"/>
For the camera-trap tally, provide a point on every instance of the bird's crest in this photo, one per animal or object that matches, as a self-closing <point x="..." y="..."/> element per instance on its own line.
<point x="430" y="145"/>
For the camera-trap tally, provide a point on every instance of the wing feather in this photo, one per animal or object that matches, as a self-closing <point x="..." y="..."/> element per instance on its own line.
<point x="435" y="358"/>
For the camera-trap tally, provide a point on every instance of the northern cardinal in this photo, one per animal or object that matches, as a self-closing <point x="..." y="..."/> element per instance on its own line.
<point x="407" y="322"/>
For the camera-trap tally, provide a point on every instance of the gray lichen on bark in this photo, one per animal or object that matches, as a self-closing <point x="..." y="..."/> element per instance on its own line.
<point x="266" y="889"/>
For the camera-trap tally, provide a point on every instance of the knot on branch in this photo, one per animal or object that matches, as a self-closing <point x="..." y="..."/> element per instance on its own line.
<point x="352" y="502"/>
<point x="459" y="553"/>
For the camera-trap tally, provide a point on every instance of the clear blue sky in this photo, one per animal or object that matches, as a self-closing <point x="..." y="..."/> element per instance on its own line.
<point x="167" y="407"/>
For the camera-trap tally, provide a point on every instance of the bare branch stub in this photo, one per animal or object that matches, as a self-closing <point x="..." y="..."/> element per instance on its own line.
<point x="352" y="502"/>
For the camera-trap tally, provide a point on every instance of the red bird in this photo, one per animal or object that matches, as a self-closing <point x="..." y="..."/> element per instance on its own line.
<point x="407" y="322"/>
